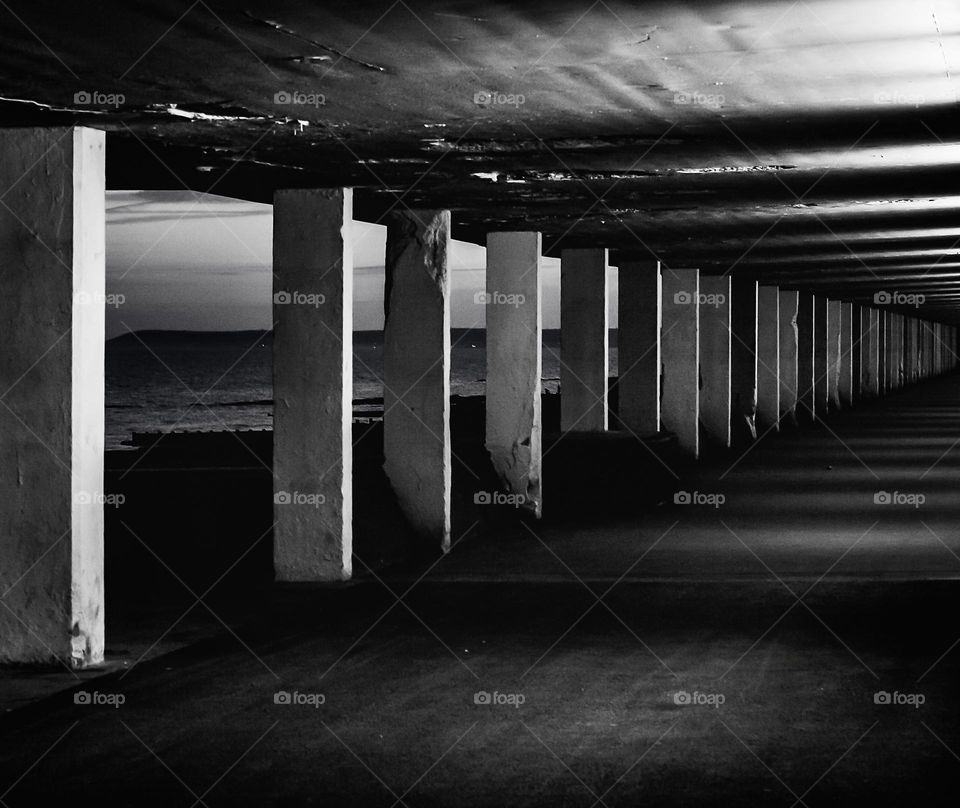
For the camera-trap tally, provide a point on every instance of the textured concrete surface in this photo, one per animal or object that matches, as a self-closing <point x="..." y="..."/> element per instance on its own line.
<point x="799" y="600"/>
<point x="514" y="359"/>
<point x="584" y="340"/>
<point x="313" y="384"/>
<point x="416" y="364"/>
<point x="680" y="355"/>
<point x="640" y="303"/>
<point x="833" y="352"/>
<point x="768" y="356"/>
<point x="51" y="389"/>
<point x="789" y="348"/>
<point x="743" y="359"/>
<point x="821" y="354"/>
<point x="715" y="338"/>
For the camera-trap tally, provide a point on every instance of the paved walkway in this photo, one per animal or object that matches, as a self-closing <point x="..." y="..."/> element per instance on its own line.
<point x="698" y="655"/>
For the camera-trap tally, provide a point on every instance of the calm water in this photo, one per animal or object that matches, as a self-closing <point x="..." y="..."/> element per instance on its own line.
<point x="168" y="380"/>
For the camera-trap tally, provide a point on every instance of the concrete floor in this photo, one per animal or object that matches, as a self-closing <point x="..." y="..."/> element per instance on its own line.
<point x="793" y="603"/>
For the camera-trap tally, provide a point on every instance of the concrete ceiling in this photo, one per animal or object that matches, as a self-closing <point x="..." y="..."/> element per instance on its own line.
<point x="813" y="144"/>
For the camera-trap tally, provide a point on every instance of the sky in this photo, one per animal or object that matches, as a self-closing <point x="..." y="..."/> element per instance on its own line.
<point x="196" y="262"/>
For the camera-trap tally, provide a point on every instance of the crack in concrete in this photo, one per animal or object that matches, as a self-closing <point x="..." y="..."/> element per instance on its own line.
<point x="276" y="26"/>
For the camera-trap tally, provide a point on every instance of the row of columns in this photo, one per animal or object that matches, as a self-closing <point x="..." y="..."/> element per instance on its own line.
<point x="735" y="353"/>
<point x="721" y="352"/>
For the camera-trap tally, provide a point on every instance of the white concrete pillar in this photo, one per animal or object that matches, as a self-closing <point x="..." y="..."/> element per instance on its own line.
<point x="715" y="339"/>
<point x="845" y="372"/>
<point x="313" y="384"/>
<point x="896" y="351"/>
<point x="884" y="361"/>
<point x="921" y="349"/>
<point x="743" y="358"/>
<point x="806" y="355"/>
<point x="584" y="340"/>
<point x="871" y="376"/>
<point x="908" y="349"/>
<point x="821" y="356"/>
<point x="938" y="348"/>
<point x="416" y="368"/>
<point x="900" y="370"/>
<point x="937" y="357"/>
<point x="833" y="353"/>
<point x="639" y="301"/>
<point x="514" y="362"/>
<point x="52" y="314"/>
<point x="768" y="355"/>
<point x="789" y="303"/>
<point x="859" y="323"/>
<point x="895" y="342"/>
<point x="680" y="349"/>
<point x="941" y="347"/>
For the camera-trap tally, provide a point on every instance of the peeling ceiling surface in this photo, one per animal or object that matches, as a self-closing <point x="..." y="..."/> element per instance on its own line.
<point x="814" y="144"/>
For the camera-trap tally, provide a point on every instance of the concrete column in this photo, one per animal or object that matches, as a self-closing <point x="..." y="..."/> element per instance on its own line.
<point x="768" y="356"/>
<point x="680" y="347"/>
<point x="514" y="361"/>
<point x="889" y="343"/>
<point x="938" y="348"/>
<point x="909" y="350"/>
<point x="897" y="375"/>
<point x="584" y="340"/>
<point x="871" y="376"/>
<point x="789" y="302"/>
<point x="882" y="364"/>
<point x="845" y="372"/>
<point x="52" y="314"/>
<point x="821" y="355"/>
<point x="806" y="382"/>
<point x="743" y="359"/>
<point x="894" y="357"/>
<point x="921" y="350"/>
<point x="833" y="353"/>
<point x="416" y="368"/>
<point x="640" y="302"/>
<point x="715" y="357"/>
<point x="899" y="372"/>
<point x="859" y="325"/>
<point x="313" y="384"/>
<point x="941" y="348"/>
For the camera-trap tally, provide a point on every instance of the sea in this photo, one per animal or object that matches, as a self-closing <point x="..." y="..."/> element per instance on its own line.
<point x="195" y="381"/>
